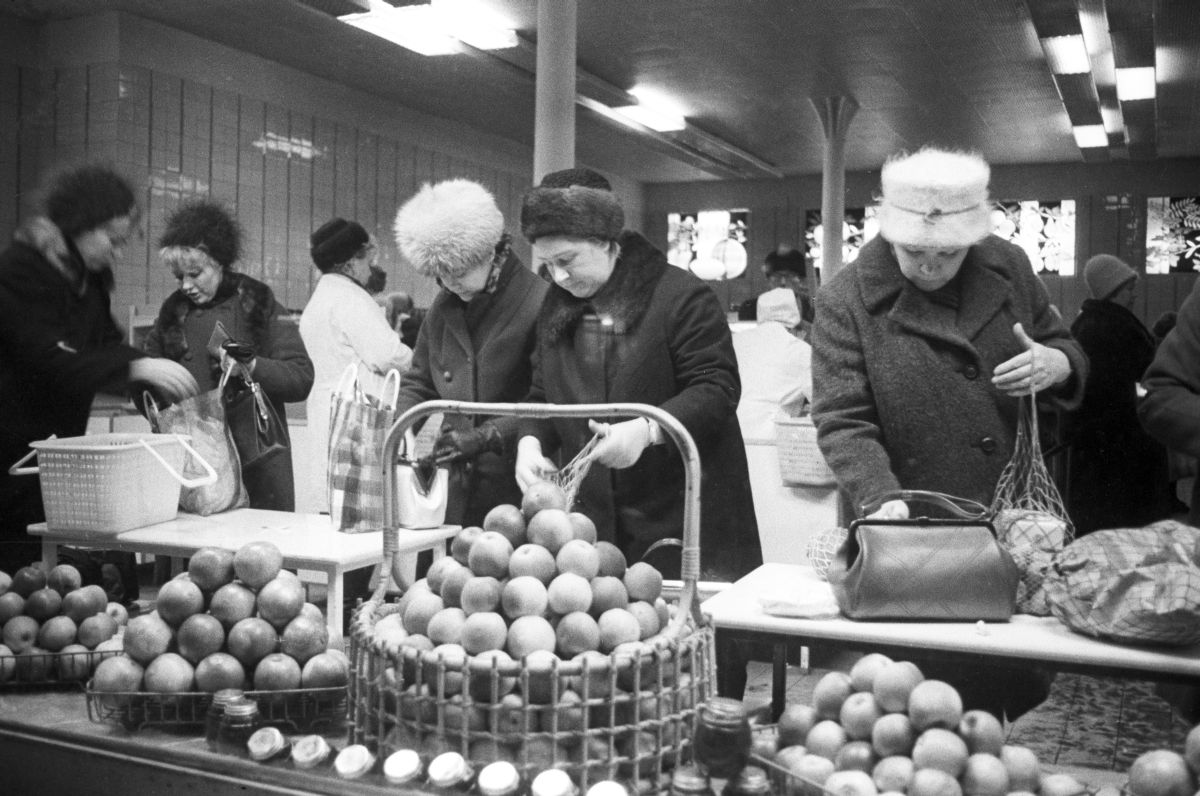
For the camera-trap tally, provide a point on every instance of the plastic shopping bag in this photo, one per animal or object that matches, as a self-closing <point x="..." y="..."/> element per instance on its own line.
<point x="202" y="418"/>
<point x="358" y="425"/>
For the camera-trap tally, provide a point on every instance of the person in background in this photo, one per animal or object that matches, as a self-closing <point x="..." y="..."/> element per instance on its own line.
<point x="621" y="325"/>
<point x="476" y="340"/>
<point x="775" y="366"/>
<point x="342" y="325"/>
<point x="214" y="303"/>
<point x="59" y="345"/>
<point x="922" y="350"/>
<point x="785" y="267"/>
<point x="1118" y="474"/>
<point x="403" y="316"/>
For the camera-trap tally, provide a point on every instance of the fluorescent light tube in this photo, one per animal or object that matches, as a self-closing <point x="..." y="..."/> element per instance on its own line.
<point x="1136" y="83"/>
<point x="1090" y="136"/>
<point x="412" y="27"/>
<point x="1067" y="55"/>
<point x="655" y="120"/>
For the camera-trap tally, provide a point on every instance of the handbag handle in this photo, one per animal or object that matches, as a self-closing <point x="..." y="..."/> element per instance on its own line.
<point x="965" y="508"/>
<point x="349" y="381"/>
<point x="391" y="390"/>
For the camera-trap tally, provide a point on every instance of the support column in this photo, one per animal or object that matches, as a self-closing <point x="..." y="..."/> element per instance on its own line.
<point x="836" y="114"/>
<point x="554" y="116"/>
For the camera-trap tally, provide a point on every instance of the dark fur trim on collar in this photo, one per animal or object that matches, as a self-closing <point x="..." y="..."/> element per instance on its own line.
<point x="254" y="297"/>
<point x="624" y="298"/>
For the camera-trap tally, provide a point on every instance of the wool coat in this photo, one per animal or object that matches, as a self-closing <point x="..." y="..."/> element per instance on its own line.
<point x="654" y="334"/>
<point x="1118" y="474"/>
<point x="342" y="325"/>
<point x="59" y="346"/>
<point x="1170" y="410"/>
<point x="249" y="313"/>
<point x="902" y="387"/>
<point x="478" y="351"/>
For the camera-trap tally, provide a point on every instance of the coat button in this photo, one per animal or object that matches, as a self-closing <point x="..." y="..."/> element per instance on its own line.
<point x="448" y="376"/>
<point x="188" y="356"/>
<point x="988" y="445"/>
<point x="971" y="372"/>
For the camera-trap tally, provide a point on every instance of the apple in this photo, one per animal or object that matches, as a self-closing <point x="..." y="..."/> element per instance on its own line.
<point x="118" y="612"/>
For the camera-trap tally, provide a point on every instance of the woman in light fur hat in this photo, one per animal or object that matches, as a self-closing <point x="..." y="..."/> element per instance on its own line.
<point x="923" y="347"/>
<point x="476" y="340"/>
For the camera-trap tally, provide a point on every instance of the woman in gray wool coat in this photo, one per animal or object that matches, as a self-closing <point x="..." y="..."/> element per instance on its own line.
<point x="922" y="349"/>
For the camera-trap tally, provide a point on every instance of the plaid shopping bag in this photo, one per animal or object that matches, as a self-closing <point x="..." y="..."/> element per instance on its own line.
<point x="358" y="425"/>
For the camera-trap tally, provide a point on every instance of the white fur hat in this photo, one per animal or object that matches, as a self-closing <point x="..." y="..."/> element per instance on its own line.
<point x="453" y="225"/>
<point x="935" y="198"/>
<point x="779" y="305"/>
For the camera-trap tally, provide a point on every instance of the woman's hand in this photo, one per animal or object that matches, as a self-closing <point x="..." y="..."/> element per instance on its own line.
<point x="531" y="465"/>
<point x="621" y="444"/>
<point x="890" y="510"/>
<point x="172" y="379"/>
<point x="1033" y="370"/>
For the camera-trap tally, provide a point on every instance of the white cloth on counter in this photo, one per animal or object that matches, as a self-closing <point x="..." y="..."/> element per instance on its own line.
<point x="811" y="599"/>
<point x="776" y="373"/>
<point x="340" y="325"/>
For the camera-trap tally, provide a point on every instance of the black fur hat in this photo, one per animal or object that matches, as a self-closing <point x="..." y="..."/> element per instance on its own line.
<point x="576" y="211"/>
<point x="336" y="242"/>
<point x="205" y="225"/>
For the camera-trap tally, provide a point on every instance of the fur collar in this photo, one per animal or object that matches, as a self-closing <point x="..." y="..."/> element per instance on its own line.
<point x="254" y="298"/>
<point x="624" y="297"/>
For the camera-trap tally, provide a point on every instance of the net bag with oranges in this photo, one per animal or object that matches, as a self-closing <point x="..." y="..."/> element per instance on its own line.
<point x="535" y="643"/>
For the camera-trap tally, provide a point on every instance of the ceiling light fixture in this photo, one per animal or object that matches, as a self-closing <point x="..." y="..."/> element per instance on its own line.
<point x="654" y="110"/>
<point x="1090" y="136"/>
<point x="1066" y="55"/>
<point x="1136" y="83"/>
<point x="435" y="29"/>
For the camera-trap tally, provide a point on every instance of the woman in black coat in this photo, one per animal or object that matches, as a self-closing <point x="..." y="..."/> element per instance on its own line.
<point x="622" y="325"/>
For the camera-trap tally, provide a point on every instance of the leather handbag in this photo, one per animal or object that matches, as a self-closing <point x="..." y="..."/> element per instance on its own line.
<point x="924" y="568"/>
<point x="262" y="442"/>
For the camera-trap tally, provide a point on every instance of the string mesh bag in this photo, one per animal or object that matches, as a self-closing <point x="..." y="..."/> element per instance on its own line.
<point x="571" y="475"/>
<point x="1028" y="513"/>
<point x="822" y="549"/>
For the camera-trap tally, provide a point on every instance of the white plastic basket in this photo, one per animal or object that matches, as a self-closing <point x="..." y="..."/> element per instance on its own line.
<point x="104" y="484"/>
<point x="800" y="460"/>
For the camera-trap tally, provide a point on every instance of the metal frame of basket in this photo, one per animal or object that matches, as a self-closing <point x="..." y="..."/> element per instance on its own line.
<point x="635" y="715"/>
<point x="50" y="666"/>
<point x="800" y="460"/>
<point x="299" y="708"/>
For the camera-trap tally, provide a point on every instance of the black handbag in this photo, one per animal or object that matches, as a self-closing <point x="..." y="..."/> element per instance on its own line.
<point x="262" y="442"/>
<point x="925" y="568"/>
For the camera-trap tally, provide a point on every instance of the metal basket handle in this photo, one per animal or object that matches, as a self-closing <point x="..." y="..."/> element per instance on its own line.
<point x="690" y="566"/>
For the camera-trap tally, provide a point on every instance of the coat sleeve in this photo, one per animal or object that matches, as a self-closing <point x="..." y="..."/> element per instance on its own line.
<point x="284" y="370"/>
<point x="1170" y="410"/>
<point x="374" y="341"/>
<point x="416" y="383"/>
<point x="848" y="426"/>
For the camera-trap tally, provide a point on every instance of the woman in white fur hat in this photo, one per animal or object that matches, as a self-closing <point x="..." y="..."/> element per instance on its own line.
<point x="924" y="344"/>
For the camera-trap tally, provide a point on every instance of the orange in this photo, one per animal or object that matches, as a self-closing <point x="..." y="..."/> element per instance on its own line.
<point x="120" y="673"/>
<point x="578" y="557"/>
<point x="933" y="782"/>
<point x="892" y="774"/>
<point x="211" y="568"/>
<point x="508" y="521"/>
<point x="830" y="692"/>
<point x="612" y="560"/>
<point x="168" y="673"/>
<point x="56" y="633"/>
<point x="13" y="604"/>
<point x="487" y="684"/>
<point x="445" y="627"/>
<point x="480" y="594"/>
<point x="858" y="715"/>
<point x="794" y="723"/>
<point x="20" y="633"/>
<point x="569" y="592"/>
<point x="250" y="640"/>
<point x="942" y="749"/>
<point x="438" y="571"/>
<point x="524" y="596"/>
<point x="64" y="578"/>
<point x="1159" y="772"/>
<point x="862" y="673"/>
<point x="178" y="599"/>
<point x="43" y="604"/>
<point x="484" y="631"/>
<point x="232" y="603"/>
<point x="72" y="663"/>
<point x="577" y="632"/>
<point x="304" y="638"/>
<point x="219" y="670"/>
<point x="543" y="495"/>
<point x="935" y="703"/>
<point x="420" y="609"/>
<point x="490" y="555"/>
<point x="551" y="528"/>
<point x="608" y="591"/>
<point x="982" y="731"/>
<point x="27" y="580"/>
<point x="617" y="626"/>
<point x="585" y="529"/>
<point x="199" y="636"/>
<point x="1021" y="763"/>
<point x="984" y="775"/>
<point x="146" y="637"/>
<point x="324" y="670"/>
<point x="527" y="634"/>
<point x="256" y="564"/>
<point x="893" y="683"/>
<point x="826" y="738"/>
<point x="460" y="545"/>
<point x="452" y="586"/>
<point x="647" y="618"/>
<point x="534" y="560"/>
<point x="643" y="582"/>
<point x="893" y="735"/>
<point x="280" y="601"/>
<point x="277" y="672"/>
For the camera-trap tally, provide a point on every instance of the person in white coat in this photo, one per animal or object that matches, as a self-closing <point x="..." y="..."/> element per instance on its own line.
<point x="775" y="366"/>
<point x="340" y="325"/>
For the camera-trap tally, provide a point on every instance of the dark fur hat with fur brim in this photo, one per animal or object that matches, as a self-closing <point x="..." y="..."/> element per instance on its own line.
<point x="575" y="211"/>
<point x="205" y="225"/>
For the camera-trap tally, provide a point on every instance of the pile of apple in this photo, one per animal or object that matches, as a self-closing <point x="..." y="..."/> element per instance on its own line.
<point x="884" y="728"/>
<point x="532" y="585"/>
<point x="1165" y="772"/>
<point x="232" y="620"/>
<point x="53" y="627"/>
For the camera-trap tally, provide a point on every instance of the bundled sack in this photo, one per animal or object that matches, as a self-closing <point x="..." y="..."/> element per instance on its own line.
<point x="202" y="418"/>
<point x="925" y="568"/>
<point x="1131" y="585"/>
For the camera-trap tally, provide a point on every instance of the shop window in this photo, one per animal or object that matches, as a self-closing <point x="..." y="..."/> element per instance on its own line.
<point x="1172" y="234"/>
<point x="711" y="243"/>
<point x="1045" y="230"/>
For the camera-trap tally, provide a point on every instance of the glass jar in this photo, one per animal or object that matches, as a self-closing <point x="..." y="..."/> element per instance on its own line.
<point x="216" y="709"/>
<point x="750" y="781"/>
<point x="722" y="740"/>
<point x="690" y="780"/>
<point x="240" y="720"/>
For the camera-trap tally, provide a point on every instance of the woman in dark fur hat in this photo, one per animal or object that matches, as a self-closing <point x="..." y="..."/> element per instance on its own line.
<point x="621" y="325"/>
<point x="213" y="304"/>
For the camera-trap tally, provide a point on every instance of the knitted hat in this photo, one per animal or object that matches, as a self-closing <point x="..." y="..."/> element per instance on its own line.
<point x="785" y="258"/>
<point x="779" y="304"/>
<point x="452" y="226"/>
<point x="577" y="203"/>
<point x="336" y="242"/>
<point x="82" y="199"/>
<point x="204" y="225"/>
<point x="1106" y="274"/>
<point x="935" y="199"/>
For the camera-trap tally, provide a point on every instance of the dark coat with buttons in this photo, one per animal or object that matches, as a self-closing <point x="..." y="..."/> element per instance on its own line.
<point x="902" y="385"/>
<point x="664" y="341"/>
<point x="478" y="351"/>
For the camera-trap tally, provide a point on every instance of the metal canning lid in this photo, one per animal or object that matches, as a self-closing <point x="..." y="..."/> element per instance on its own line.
<point x="309" y="751"/>
<point x="228" y="695"/>
<point x="751" y="779"/>
<point x="552" y="782"/>
<point x="353" y="761"/>
<point x="689" y="780"/>
<point x="265" y="743"/>
<point x="401" y="767"/>
<point x="241" y="707"/>
<point x="723" y="712"/>
<point x="607" y="788"/>
<point x="499" y="779"/>
<point x="448" y="768"/>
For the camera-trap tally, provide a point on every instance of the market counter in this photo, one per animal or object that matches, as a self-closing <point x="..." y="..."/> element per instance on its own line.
<point x="48" y="745"/>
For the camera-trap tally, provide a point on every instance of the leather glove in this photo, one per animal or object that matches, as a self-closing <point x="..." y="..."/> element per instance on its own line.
<point x="621" y="444"/>
<point x="531" y="465"/>
<point x="457" y="445"/>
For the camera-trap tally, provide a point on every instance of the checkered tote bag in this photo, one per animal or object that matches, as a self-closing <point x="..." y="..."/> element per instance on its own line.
<point x="358" y="424"/>
<point x="1130" y="585"/>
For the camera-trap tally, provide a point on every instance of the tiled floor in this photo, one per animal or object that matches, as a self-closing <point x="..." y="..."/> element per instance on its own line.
<point x="1087" y="722"/>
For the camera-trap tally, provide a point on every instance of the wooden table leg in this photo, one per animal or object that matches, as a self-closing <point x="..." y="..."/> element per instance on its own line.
<point x="335" y="593"/>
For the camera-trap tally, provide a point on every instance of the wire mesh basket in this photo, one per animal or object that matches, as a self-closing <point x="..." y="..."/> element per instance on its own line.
<point x="800" y="460"/>
<point x="47" y="669"/>
<point x="301" y="709"/>
<point x="624" y="715"/>
<point x="822" y="549"/>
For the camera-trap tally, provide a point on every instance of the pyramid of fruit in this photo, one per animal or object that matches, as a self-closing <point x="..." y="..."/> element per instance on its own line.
<point x="232" y="620"/>
<point x="53" y="627"/>
<point x="532" y="637"/>
<point x="884" y="728"/>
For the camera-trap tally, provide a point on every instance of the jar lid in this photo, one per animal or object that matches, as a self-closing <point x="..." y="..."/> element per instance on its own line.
<point x="499" y="779"/>
<point x="689" y="779"/>
<point x="353" y="761"/>
<point x="448" y="768"/>
<point x="309" y="751"/>
<point x="607" y="788"/>
<point x="751" y="779"/>
<point x="265" y="743"/>
<point x="552" y="782"/>
<point x="401" y="767"/>
<point x="723" y="711"/>
<point x="241" y="708"/>
<point x="227" y="695"/>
